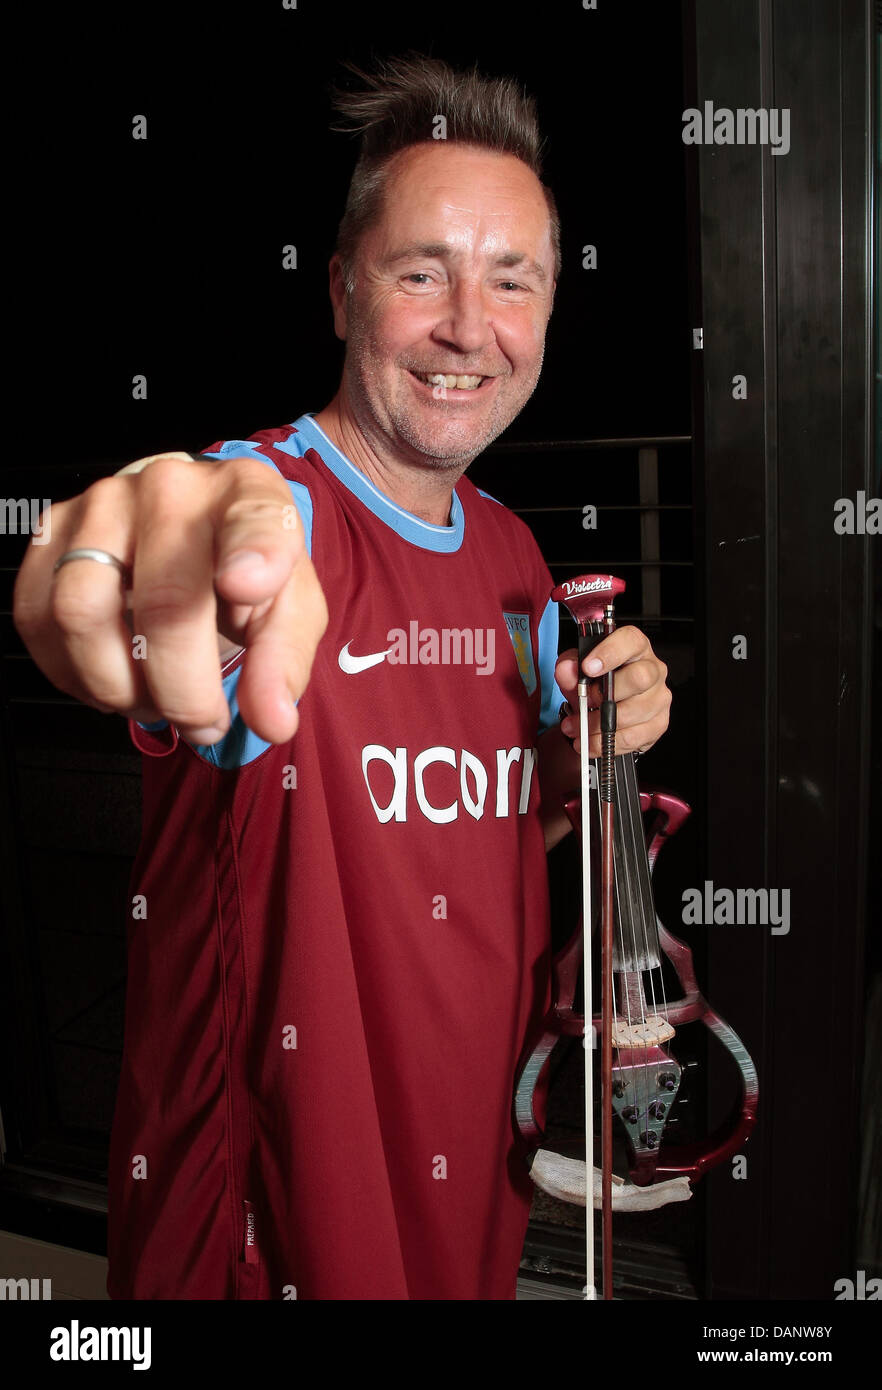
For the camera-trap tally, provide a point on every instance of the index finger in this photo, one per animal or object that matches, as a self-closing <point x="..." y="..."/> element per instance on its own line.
<point x="280" y="647"/>
<point x="190" y="522"/>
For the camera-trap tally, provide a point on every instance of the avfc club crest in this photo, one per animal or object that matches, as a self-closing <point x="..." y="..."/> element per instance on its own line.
<point x="518" y="625"/>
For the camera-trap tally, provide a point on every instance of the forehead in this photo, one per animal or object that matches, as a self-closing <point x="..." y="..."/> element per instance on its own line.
<point x="438" y="190"/>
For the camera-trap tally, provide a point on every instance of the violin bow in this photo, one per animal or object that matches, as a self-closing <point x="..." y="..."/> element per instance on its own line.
<point x="634" y="1090"/>
<point x="589" y="601"/>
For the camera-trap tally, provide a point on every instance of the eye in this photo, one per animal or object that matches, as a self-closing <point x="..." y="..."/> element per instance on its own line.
<point x="512" y="284"/>
<point x="417" y="275"/>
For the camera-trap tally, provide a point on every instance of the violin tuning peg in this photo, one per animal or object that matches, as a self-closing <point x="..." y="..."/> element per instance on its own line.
<point x="586" y="597"/>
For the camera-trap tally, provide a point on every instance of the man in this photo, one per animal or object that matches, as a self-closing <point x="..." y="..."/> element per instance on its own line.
<point x="340" y="917"/>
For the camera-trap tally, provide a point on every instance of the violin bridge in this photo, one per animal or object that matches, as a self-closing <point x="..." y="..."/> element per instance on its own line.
<point x="650" y="1032"/>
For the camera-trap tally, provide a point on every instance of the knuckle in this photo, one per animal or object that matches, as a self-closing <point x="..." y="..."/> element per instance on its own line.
<point x="243" y="464"/>
<point x="163" y="470"/>
<point x="161" y="496"/>
<point x="168" y="601"/>
<point x="165" y="481"/>
<point x="177" y="484"/>
<point x="261" y="508"/>
<point x="103" y="490"/>
<point x="243" y="473"/>
<point x="76" y="610"/>
<point x="265" y="479"/>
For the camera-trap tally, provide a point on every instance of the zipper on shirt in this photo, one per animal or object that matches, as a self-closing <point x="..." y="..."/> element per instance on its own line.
<point x="249" y="1234"/>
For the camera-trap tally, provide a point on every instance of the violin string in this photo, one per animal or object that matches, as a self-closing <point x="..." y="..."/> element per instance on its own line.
<point x="622" y="997"/>
<point x="662" y="1010"/>
<point x="640" y="846"/>
<point x="587" y="1005"/>
<point x="623" y="899"/>
<point x="644" y="949"/>
<point x="619" y="1003"/>
<point x="618" y="914"/>
<point x="630" y="801"/>
<point x="647" y="901"/>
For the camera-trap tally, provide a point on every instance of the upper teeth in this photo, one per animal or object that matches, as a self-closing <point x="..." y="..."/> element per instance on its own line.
<point x="461" y="383"/>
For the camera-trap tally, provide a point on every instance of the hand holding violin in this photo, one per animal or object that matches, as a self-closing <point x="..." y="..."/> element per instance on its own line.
<point x="643" y="699"/>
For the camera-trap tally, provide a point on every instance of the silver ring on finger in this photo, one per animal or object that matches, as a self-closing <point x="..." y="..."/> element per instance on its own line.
<point x="89" y="552"/>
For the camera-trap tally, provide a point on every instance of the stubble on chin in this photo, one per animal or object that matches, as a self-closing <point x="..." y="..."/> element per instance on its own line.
<point x="453" y="443"/>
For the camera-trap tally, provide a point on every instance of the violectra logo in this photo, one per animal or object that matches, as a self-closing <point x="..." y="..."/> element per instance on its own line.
<point x="594" y="587"/>
<point x="428" y="646"/>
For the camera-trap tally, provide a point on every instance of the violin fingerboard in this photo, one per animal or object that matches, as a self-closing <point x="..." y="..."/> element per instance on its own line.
<point x="636" y="945"/>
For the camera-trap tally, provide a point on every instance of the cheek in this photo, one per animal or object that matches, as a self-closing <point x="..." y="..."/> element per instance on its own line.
<point x="398" y="324"/>
<point x="521" y="337"/>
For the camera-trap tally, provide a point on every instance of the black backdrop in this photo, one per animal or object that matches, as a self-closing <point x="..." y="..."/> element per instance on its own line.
<point x="164" y="256"/>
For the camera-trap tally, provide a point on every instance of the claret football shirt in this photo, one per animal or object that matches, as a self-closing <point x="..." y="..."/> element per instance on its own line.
<point x="338" y="944"/>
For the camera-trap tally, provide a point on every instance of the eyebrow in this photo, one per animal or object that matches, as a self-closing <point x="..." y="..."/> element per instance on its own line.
<point x="440" y="250"/>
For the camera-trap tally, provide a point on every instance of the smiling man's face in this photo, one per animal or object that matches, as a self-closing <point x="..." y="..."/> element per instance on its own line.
<point x="455" y="279"/>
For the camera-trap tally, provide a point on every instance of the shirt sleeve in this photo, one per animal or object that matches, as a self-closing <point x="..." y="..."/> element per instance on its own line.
<point x="552" y="695"/>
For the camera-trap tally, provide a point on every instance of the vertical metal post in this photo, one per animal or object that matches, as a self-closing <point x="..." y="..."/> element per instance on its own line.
<point x="650" y="545"/>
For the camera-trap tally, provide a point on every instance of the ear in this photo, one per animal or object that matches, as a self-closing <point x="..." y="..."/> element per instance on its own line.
<point x="338" y="296"/>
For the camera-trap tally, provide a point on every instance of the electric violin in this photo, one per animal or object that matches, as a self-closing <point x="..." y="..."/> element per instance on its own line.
<point x="636" y="1022"/>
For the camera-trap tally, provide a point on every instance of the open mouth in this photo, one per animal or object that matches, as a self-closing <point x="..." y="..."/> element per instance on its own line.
<point x="453" y="386"/>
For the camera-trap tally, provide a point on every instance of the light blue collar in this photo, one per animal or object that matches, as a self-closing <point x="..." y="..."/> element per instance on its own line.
<point x="444" y="539"/>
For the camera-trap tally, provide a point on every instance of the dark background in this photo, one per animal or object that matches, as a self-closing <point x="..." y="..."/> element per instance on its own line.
<point x="171" y="257"/>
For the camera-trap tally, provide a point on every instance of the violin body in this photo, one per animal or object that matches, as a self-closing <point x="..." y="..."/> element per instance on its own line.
<point x="646" y="1076"/>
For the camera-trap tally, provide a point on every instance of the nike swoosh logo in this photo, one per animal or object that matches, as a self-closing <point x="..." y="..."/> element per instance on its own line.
<point x="352" y="664"/>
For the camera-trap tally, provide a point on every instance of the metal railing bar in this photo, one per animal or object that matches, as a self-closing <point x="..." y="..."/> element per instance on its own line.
<point x="614" y="507"/>
<point x="635" y="442"/>
<point x="602" y="565"/>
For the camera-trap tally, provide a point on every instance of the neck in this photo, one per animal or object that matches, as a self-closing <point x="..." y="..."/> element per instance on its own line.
<point x="423" y="490"/>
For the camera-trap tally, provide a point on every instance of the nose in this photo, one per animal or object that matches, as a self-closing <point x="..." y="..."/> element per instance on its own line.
<point x="464" y="321"/>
